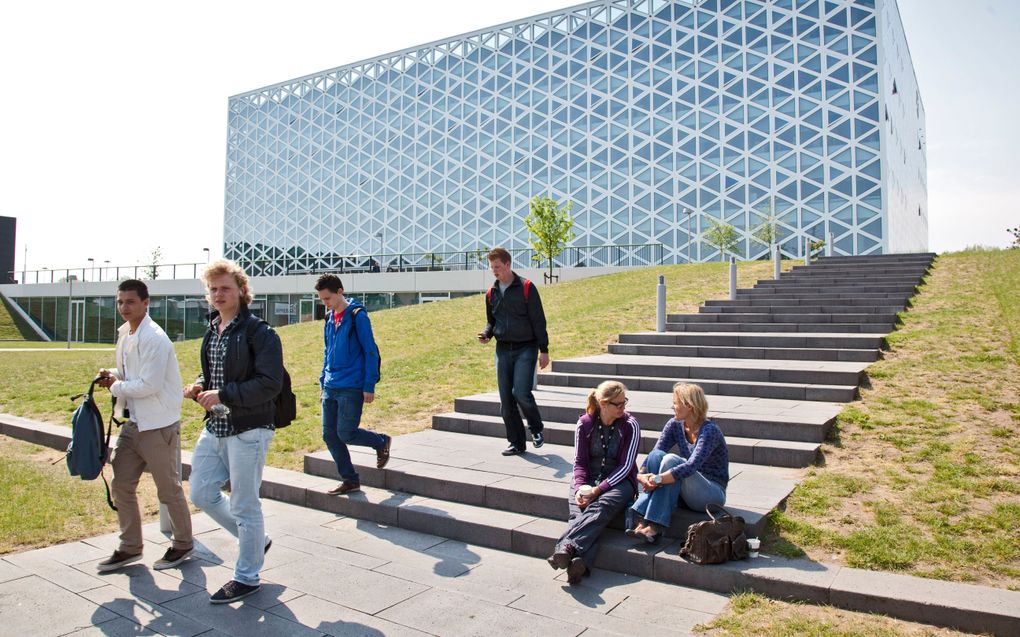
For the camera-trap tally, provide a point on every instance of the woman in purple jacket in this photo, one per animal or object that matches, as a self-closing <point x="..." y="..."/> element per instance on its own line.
<point x="697" y="476"/>
<point x="605" y="477"/>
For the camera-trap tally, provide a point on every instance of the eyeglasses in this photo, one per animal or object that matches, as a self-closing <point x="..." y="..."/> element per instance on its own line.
<point x="619" y="405"/>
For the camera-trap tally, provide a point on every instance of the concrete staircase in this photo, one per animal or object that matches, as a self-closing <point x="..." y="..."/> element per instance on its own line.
<point x="777" y="364"/>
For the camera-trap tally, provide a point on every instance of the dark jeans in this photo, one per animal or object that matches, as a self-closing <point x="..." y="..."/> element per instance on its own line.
<point x="586" y="525"/>
<point x="341" y="415"/>
<point x="515" y="374"/>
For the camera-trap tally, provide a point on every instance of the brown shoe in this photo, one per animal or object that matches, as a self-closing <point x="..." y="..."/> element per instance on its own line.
<point x="575" y="571"/>
<point x="382" y="456"/>
<point x="344" y="488"/>
<point x="118" y="560"/>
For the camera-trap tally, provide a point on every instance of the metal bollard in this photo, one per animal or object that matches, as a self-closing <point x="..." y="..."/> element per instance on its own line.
<point x="733" y="278"/>
<point x="828" y="246"/>
<point x="807" y="250"/>
<point x="660" y="305"/>
<point x="776" y="262"/>
<point x="164" y="512"/>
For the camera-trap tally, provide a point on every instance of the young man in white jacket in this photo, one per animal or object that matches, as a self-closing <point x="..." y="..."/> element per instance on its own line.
<point x="148" y="392"/>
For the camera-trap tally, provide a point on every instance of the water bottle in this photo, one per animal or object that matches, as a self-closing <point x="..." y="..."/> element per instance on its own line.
<point x="220" y="409"/>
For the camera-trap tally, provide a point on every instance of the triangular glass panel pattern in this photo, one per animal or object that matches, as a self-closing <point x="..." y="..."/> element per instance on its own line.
<point x="652" y="116"/>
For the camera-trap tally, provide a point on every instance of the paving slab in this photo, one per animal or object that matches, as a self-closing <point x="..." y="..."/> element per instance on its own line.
<point x="333" y="619"/>
<point x="10" y="572"/>
<point x="144" y="615"/>
<point x="240" y="619"/>
<point x="119" y="627"/>
<point x="35" y="606"/>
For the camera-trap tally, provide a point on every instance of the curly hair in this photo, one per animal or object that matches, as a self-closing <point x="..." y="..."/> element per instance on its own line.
<point x="223" y="266"/>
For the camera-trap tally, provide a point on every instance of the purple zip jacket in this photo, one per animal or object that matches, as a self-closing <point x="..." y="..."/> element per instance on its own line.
<point x="626" y="468"/>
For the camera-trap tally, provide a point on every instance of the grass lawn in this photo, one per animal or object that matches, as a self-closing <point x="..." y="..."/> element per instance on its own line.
<point x="923" y="475"/>
<point x="753" y="615"/>
<point x="13" y="327"/>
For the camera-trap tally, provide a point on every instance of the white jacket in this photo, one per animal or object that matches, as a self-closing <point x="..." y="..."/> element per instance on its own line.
<point x="151" y="386"/>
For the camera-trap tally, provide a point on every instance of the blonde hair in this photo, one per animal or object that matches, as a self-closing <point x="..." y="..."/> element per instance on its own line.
<point x="693" y="397"/>
<point x="221" y="267"/>
<point x="607" y="390"/>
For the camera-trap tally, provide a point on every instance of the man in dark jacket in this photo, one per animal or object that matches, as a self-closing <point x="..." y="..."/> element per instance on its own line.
<point x="515" y="317"/>
<point x="350" y="370"/>
<point x="242" y="373"/>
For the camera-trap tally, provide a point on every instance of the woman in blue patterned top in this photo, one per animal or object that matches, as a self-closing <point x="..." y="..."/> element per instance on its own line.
<point x="696" y="477"/>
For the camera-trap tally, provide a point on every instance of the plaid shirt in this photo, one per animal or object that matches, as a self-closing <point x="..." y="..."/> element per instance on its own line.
<point x="218" y="426"/>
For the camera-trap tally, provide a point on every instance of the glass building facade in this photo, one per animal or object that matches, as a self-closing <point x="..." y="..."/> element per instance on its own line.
<point x="655" y="118"/>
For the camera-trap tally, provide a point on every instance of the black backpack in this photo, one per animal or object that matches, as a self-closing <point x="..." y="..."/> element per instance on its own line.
<point x="286" y="401"/>
<point x="89" y="450"/>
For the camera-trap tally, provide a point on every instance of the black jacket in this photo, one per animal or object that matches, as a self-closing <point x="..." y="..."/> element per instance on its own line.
<point x="252" y="375"/>
<point x="512" y="319"/>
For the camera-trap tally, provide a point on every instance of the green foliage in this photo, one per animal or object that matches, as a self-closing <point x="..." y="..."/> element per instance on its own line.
<point x="722" y="236"/>
<point x="768" y="230"/>
<point x="13" y="327"/>
<point x="550" y="228"/>
<point x="151" y="271"/>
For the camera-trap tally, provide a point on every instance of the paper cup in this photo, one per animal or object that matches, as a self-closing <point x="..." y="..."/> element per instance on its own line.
<point x="753" y="544"/>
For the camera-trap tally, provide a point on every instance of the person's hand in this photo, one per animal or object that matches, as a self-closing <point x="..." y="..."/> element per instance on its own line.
<point x="369" y="396"/>
<point x="482" y="338"/>
<point x="645" y="479"/>
<point x="192" y="391"/>
<point x="209" y="399"/>
<point x="580" y="499"/>
<point x="543" y="360"/>
<point x="106" y="378"/>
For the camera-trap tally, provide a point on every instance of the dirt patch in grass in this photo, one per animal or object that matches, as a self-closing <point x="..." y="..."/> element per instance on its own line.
<point x="923" y="474"/>
<point x="753" y="615"/>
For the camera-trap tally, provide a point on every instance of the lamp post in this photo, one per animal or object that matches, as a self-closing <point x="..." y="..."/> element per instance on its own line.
<point x="688" y="213"/>
<point x="379" y="235"/>
<point x="106" y="264"/>
<point x="92" y="267"/>
<point x="206" y="250"/>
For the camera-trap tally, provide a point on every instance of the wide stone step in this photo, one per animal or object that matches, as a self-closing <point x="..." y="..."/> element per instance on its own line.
<point x="913" y="258"/>
<point x="761" y="339"/>
<point x="767" y="296"/>
<point x="749" y="417"/>
<point x="843" y="270"/>
<point x="748" y="388"/>
<point x="448" y="468"/>
<point x="806" y="287"/>
<point x="729" y="351"/>
<point x="760" y="317"/>
<point x="895" y="304"/>
<point x="771" y="371"/>
<point x="844" y="328"/>
<point x="820" y="281"/>
<point x="775" y="308"/>
<point x="775" y="453"/>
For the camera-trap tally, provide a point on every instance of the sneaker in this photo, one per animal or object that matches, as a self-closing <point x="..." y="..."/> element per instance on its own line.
<point x="233" y="591"/>
<point x="382" y="455"/>
<point x="118" y="560"/>
<point x="344" y="488"/>
<point x="537" y="440"/>
<point x="172" y="558"/>
<point x="512" y="451"/>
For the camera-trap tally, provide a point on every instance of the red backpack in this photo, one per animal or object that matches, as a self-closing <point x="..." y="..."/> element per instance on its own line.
<point x="527" y="289"/>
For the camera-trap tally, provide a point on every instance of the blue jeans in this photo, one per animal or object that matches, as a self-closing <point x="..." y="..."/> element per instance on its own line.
<point x="341" y="415"/>
<point x="238" y="459"/>
<point x="515" y="375"/>
<point x="696" y="490"/>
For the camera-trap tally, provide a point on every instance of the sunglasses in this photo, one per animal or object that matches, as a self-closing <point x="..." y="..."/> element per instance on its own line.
<point x="619" y="404"/>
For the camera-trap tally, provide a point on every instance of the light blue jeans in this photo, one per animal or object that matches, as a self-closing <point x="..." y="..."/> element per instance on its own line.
<point x="238" y="459"/>
<point x="697" y="491"/>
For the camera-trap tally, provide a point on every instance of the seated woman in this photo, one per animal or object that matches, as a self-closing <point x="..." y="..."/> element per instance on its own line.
<point x="698" y="475"/>
<point x="606" y="445"/>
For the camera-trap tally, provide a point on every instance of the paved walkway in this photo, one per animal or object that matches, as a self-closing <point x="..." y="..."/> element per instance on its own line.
<point x="332" y="575"/>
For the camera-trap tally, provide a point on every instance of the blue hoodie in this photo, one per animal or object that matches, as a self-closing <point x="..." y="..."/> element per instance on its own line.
<point x="346" y="364"/>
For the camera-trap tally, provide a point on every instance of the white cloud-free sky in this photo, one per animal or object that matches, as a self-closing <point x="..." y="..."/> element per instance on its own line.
<point x="113" y="116"/>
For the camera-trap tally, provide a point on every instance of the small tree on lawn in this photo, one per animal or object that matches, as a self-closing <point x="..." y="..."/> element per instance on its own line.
<point x="723" y="236"/>
<point x="550" y="229"/>
<point x="1015" y="233"/>
<point x="768" y="230"/>
<point x="152" y="270"/>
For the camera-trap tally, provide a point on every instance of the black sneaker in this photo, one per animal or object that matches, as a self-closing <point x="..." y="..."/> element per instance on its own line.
<point x="233" y="591"/>
<point x="118" y="560"/>
<point x="512" y="451"/>
<point x="172" y="558"/>
<point x="537" y="440"/>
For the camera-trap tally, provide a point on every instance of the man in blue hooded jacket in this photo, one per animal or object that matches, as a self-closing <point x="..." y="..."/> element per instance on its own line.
<point x="350" y="370"/>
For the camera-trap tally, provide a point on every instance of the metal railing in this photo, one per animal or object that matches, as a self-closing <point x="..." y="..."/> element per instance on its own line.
<point x="571" y="257"/>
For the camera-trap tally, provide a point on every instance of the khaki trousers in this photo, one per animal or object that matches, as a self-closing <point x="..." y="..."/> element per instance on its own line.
<point x="156" y="451"/>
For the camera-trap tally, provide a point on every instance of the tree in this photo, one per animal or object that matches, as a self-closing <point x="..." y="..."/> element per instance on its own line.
<point x="551" y="229"/>
<point x="152" y="270"/>
<point x="768" y="230"/>
<point x="723" y="236"/>
<point x="1015" y="233"/>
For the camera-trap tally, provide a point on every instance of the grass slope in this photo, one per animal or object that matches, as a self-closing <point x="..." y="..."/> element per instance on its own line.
<point x="924" y="474"/>
<point x="13" y="327"/>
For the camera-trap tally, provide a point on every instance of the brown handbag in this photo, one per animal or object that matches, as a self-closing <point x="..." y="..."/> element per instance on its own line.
<point x="716" y="540"/>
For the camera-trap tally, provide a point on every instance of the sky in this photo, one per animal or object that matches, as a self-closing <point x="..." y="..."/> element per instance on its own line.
<point x="113" y="117"/>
